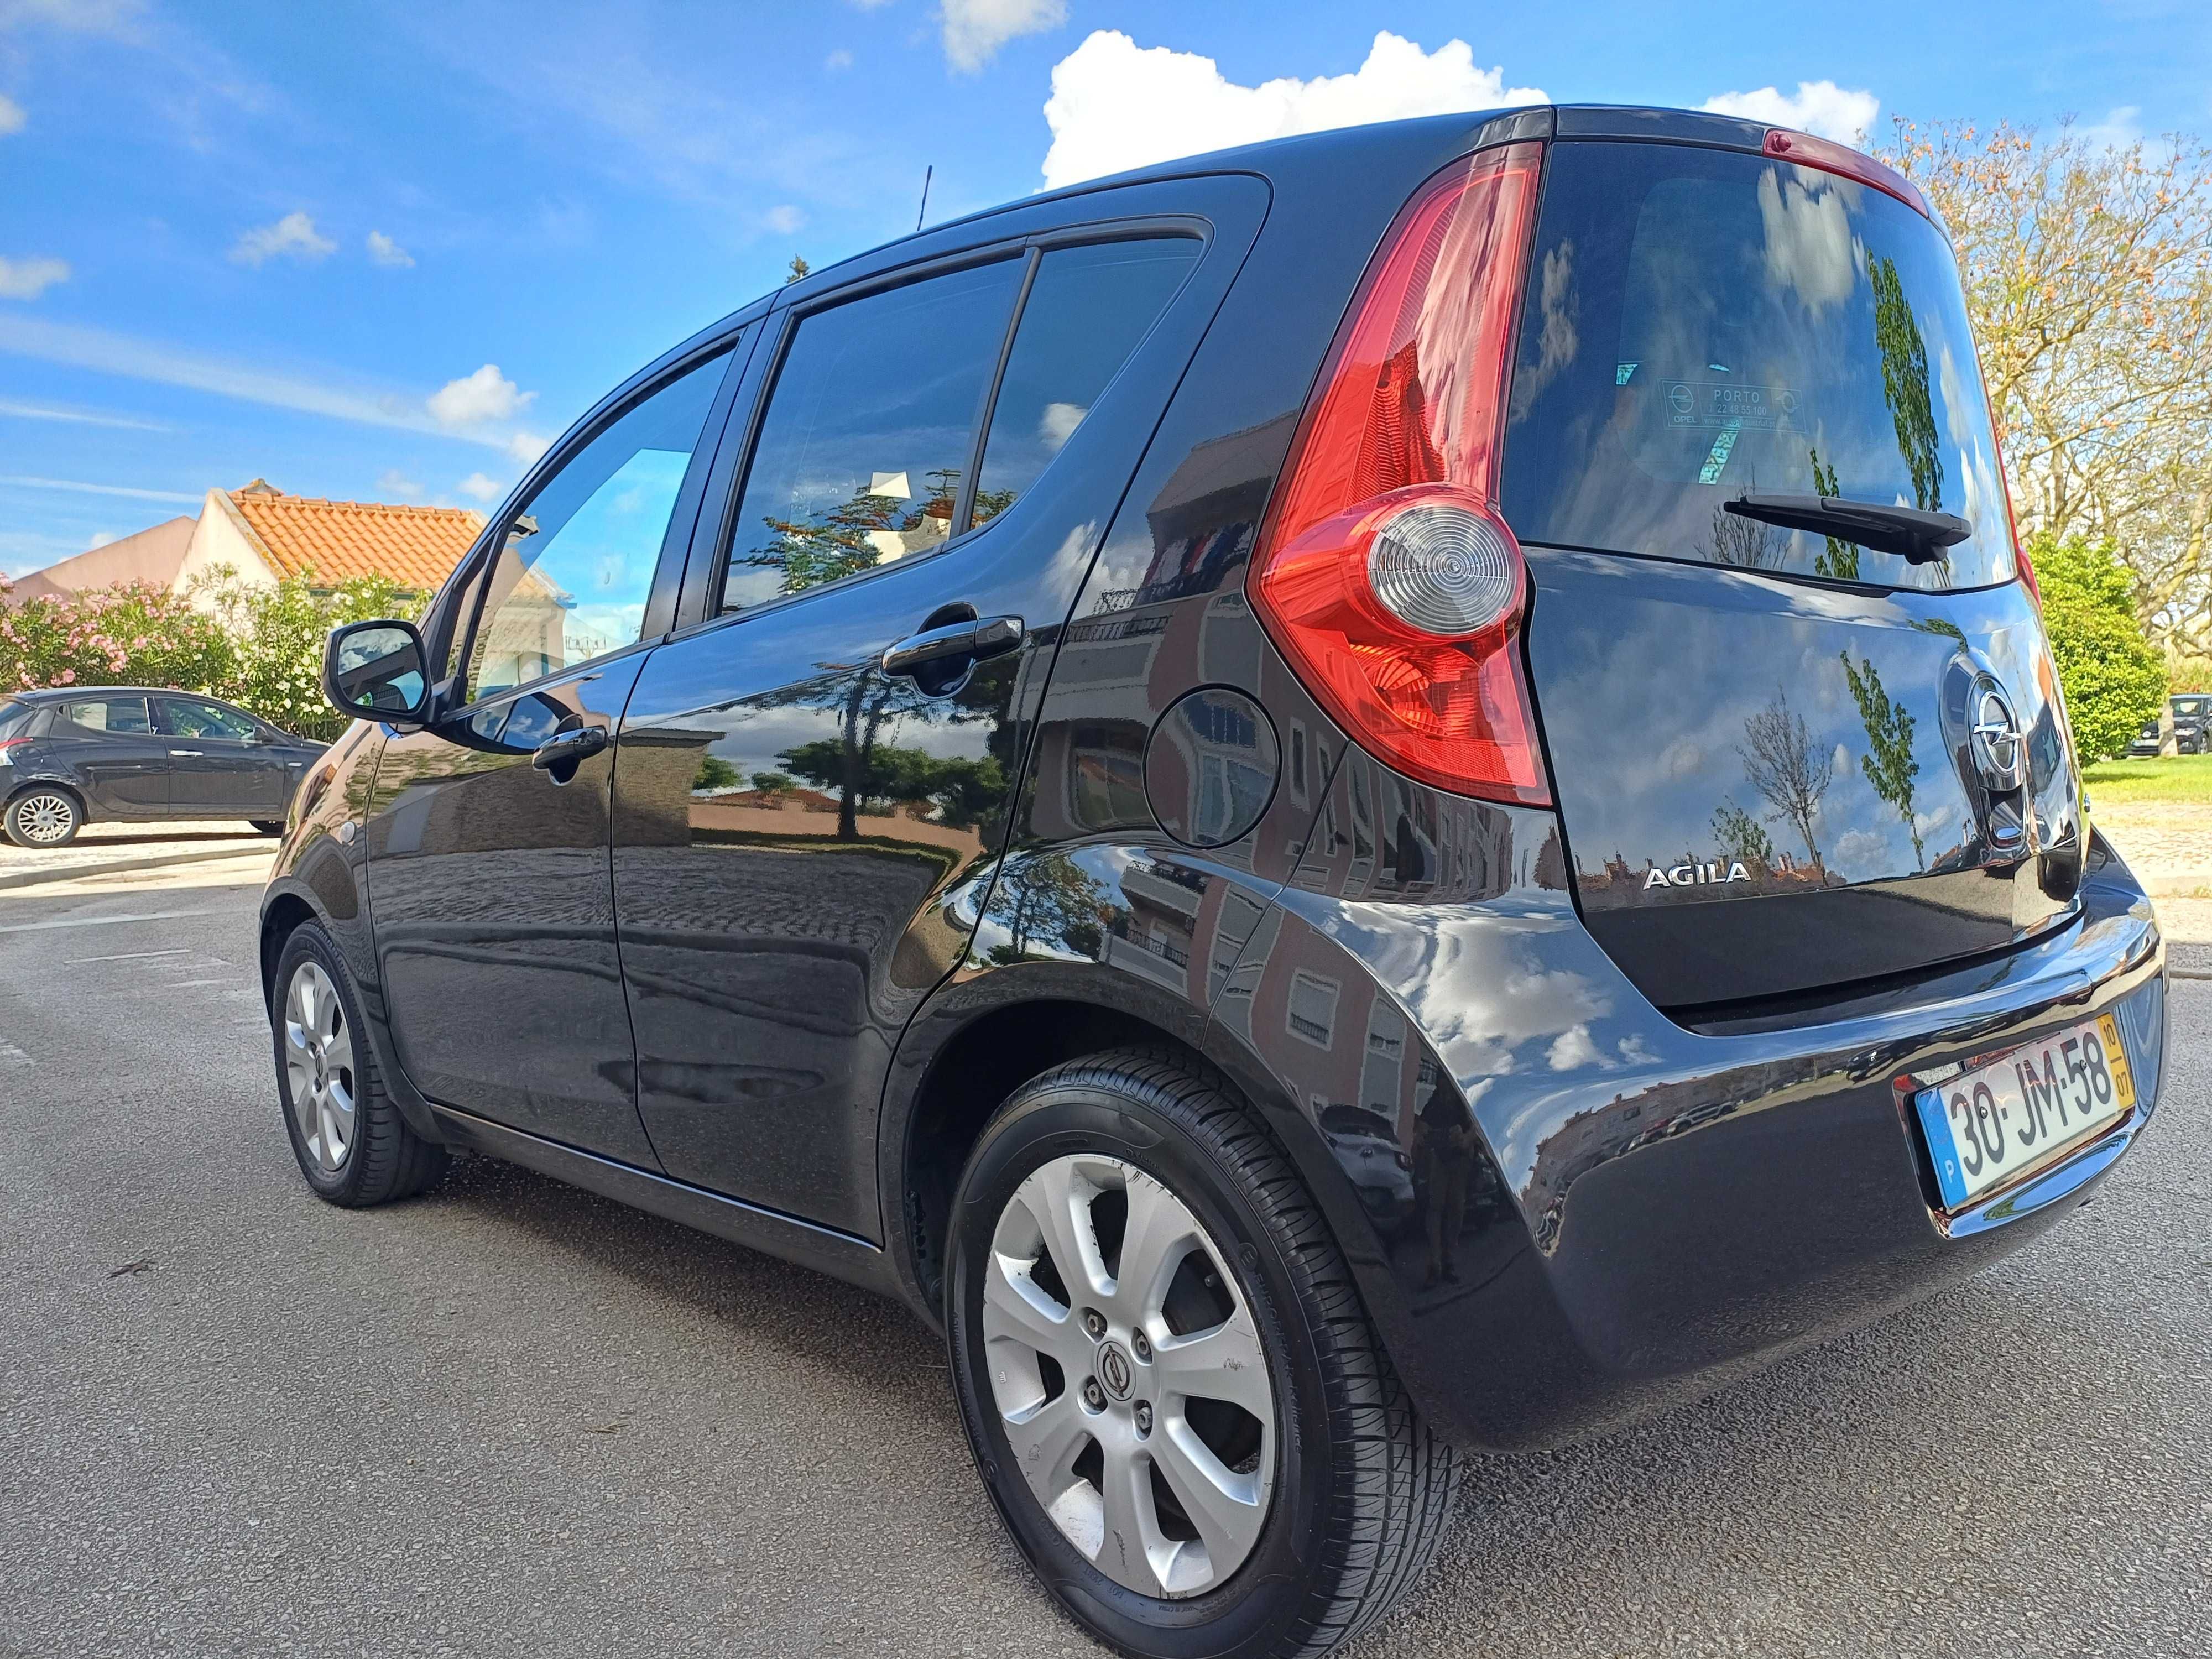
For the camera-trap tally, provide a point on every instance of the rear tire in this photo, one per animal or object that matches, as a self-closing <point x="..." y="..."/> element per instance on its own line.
<point x="347" y="1132"/>
<point x="43" y="817"/>
<point x="1329" y="1496"/>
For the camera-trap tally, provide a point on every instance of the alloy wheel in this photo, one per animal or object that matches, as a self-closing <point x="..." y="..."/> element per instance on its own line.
<point x="319" y="1065"/>
<point x="1130" y="1376"/>
<point x="45" y="818"/>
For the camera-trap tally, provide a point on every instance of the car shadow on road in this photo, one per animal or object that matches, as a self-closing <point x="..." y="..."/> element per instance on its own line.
<point x="872" y="1340"/>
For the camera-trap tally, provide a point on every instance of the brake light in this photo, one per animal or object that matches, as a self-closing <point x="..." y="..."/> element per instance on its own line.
<point x="6" y="744"/>
<point x="1828" y="156"/>
<point x="1384" y="573"/>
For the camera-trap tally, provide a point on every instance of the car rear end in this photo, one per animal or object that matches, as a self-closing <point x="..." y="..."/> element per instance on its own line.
<point x="1649" y="493"/>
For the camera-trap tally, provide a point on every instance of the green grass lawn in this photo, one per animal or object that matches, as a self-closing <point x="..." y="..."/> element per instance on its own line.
<point x="2175" y="778"/>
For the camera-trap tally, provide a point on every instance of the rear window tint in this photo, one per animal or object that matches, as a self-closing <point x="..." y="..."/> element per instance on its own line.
<point x="1084" y="314"/>
<point x="15" y="717"/>
<point x="1702" y="322"/>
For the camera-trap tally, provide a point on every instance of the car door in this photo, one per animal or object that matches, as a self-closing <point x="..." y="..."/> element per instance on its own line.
<point x="803" y="823"/>
<point x="488" y="830"/>
<point x="222" y="765"/>
<point x="108" y="746"/>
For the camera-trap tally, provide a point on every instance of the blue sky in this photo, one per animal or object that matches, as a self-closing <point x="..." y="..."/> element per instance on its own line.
<point x="388" y="252"/>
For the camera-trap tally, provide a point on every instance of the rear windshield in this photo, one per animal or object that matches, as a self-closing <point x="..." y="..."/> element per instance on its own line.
<point x="1702" y="322"/>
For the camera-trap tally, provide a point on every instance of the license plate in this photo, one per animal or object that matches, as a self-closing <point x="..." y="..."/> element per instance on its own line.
<point x="1987" y="1124"/>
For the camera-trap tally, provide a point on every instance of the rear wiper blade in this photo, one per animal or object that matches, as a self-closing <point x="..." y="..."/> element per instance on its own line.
<point x="1921" y="537"/>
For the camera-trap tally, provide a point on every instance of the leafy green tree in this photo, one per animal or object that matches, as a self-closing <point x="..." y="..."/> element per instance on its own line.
<point x="1840" y="558"/>
<point x="2113" y="678"/>
<point x="1889" y="762"/>
<point x="1905" y="384"/>
<point x="713" y="773"/>
<point x="773" y="784"/>
<point x="1742" y="836"/>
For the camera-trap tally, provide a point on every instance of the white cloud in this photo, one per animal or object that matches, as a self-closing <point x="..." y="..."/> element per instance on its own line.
<point x="1059" y="422"/>
<point x="26" y="279"/>
<point x="478" y="487"/>
<point x="527" y="446"/>
<point x="294" y="236"/>
<point x="386" y="251"/>
<point x="310" y="390"/>
<point x="77" y="417"/>
<point x="1820" y="106"/>
<point x="396" y="485"/>
<point x="839" y="59"/>
<point x="486" y="395"/>
<point x="784" y="220"/>
<point x="975" y="29"/>
<point x="98" y="539"/>
<point x="11" y="116"/>
<point x="1116" y="105"/>
<point x="128" y="492"/>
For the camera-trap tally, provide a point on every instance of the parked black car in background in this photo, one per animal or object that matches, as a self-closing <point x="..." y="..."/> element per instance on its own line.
<point x="1324" y="800"/>
<point x="2192" y="715"/>
<point x="79" y="755"/>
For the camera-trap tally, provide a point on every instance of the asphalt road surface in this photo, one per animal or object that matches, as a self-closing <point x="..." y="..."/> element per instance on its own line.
<point x="513" y="1417"/>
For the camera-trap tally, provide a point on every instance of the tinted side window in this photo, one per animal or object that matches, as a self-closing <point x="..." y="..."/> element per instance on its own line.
<point x="98" y="719"/>
<point x="204" y="719"/>
<point x="571" y="578"/>
<point x="868" y="433"/>
<point x="1086" y="313"/>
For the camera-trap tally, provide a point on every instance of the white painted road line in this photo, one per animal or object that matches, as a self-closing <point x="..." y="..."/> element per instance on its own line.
<point x="131" y="955"/>
<point x="11" y="1055"/>
<point x="104" y="921"/>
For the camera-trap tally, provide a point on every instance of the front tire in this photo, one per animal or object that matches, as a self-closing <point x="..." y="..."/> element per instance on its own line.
<point x="43" y="817"/>
<point x="347" y="1132"/>
<point x="1172" y="1391"/>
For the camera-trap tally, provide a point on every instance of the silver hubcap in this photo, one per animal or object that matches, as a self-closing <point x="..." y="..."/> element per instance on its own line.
<point x="1139" y="1403"/>
<point x="318" y="1064"/>
<point x="45" y="817"/>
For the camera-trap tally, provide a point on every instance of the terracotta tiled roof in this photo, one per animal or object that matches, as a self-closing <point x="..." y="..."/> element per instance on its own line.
<point x="415" y="546"/>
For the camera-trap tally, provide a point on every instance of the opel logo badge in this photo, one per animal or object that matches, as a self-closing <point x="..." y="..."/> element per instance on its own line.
<point x="1995" y="737"/>
<point x="1116" y="1373"/>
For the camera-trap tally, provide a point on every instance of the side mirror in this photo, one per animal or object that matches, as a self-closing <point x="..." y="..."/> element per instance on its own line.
<point x="374" y="670"/>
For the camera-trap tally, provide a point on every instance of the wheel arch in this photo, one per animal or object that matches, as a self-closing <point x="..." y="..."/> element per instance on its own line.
<point x="60" y="786"/>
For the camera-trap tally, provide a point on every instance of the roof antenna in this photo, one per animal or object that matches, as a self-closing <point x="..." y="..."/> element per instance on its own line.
<point x="926" y="173"/>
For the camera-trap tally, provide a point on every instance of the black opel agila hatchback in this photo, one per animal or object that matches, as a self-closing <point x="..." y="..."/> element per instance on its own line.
<point x="1392" y="794"/>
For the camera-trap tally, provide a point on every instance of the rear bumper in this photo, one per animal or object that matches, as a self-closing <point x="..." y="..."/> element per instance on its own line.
<point x="1667" y="1209"/>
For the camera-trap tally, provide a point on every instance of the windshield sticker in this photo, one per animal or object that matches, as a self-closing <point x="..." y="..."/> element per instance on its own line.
<point x="1623" y="373"/>
<point x="1709" y="403"/>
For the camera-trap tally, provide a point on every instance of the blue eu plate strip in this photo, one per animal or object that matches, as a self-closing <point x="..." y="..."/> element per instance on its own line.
<point x="1937" y="1129"/>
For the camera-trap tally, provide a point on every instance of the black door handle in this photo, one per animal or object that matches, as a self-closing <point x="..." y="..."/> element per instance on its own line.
<point x="956" y="642"/>
<point x="566" y="749"/>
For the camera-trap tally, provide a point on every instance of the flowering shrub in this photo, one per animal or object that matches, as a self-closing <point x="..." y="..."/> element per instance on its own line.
<point x="261" y="648"/>
<point x="276" y="636"/>
<point x="130" y="633"/>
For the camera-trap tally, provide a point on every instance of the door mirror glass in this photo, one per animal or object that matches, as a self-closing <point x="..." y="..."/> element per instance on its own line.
<point x="374" y="670"/>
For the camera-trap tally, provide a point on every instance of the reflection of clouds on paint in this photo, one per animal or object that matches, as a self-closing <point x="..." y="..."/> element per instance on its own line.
<point x="1572" y="1049"/>
<point x="1859" y="854"/>
<point x="1809" y="246"/>
<point x="1059" y="424"/>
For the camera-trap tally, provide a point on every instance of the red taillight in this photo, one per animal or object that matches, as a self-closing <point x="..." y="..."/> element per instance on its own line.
<point x="1828" y="156"/>
<point x="12" y="742"/>
<point x="1384" y="573"/>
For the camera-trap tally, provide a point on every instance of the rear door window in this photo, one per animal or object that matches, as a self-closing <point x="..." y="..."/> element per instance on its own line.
<point x="869" y="433"/>
<point x="104" y="717"/>
<point x="1086" y="313"/>
<point x="1702" y="322"/>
